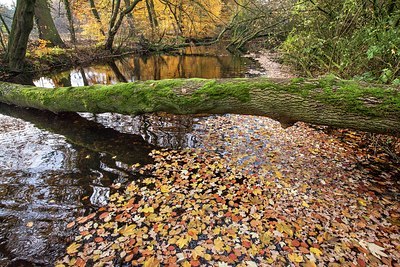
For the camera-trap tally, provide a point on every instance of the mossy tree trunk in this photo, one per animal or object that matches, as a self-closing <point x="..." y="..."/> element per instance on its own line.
<point x="45" y="23"/>
<point x="18" y="40"/>
<point x="326" y="101"/>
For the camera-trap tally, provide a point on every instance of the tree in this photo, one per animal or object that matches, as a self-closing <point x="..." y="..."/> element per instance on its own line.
<point x="96" y="15"/>
<point x="325" y="101"/>
<point x="347" y="38"/>
<point x="116" y="20"/>
<point x="47" y="28"/>
<point x="19" y="35"/>
<point x="71" y="27"/>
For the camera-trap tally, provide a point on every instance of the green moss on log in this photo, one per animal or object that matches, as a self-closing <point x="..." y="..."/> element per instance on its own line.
<point x="328" y="100"/>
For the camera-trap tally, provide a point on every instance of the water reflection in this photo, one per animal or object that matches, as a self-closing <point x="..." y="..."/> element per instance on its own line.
<point x="214" y="62"/>
<point x="54" y="168"/>
<point x="162" y="130"/>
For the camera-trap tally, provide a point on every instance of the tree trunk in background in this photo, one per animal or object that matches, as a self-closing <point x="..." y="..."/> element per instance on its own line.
<point x="18" y="40"/>
<point x="47" y="28"/>
<point x="152" y="14"/>
<point x="324" y="101"/>
<point x="96" y="16"/>
<point x="5" y="24"/>
<point x="3" y="45"/>
<point x="71" y="27"/>
<point x="131" y="19"/>
<point x="116" y="22"/>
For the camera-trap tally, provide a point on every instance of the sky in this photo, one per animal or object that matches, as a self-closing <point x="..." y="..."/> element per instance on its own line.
<point x="7" y="2"/>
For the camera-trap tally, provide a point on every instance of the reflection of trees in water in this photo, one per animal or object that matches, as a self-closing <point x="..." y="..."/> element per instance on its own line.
<point x="192" y="62"/>
<point x="163" y="130"/>
<point x="50" y="179"/>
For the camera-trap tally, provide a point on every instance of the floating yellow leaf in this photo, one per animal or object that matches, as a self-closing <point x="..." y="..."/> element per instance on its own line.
<point x="148" y="210"/>
<point x="73" y="248"/>
<point x="293" y="257"/>
<point x="182" y="242"/>
<point x="198" y="252"/>
<point x="305" y="204"/>
<point x="218" y="244"/>
<point x="362" y="202"/>
<point x="257" y="191"/>
<point x="283" y="228"/>
<point x="316" y="251"/>
<point x="151" y="262"/>
<point x="128" y="230"/>
<point x="265" y="238"/>
<point x="278" y="174"/>
<point x="165" y="189"/>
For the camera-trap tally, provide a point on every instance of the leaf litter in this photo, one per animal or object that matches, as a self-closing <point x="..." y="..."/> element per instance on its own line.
<point x="251" y="194"/>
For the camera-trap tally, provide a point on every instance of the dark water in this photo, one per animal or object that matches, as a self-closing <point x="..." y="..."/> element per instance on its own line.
<point x="56" y="167"/>
<point x="197" y="62"/>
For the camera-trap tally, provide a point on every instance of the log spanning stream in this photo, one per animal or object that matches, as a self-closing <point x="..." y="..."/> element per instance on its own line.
<point x="57" y="167"/>
<point x="54" y="168"/>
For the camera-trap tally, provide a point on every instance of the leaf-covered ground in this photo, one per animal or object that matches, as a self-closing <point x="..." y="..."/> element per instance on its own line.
<point x="253" y="194"/>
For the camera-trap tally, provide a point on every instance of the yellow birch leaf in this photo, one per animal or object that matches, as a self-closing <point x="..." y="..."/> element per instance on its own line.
<point x="293" y="257"/>
<point x="198" y="252"/>
<point x="218" y="244"/>
<point x="362" y="202"/>
<point x="148" y="210"/>
<point x="265" y="238"/>
<point x="278" y="174"/>
<point x="152" y="262"/>
<point x="73" y="248"/>
<point x="164" y="188"/>
<point x="128" y="230"/>
<point x="257" y="191"/>
<point x="182" y="242"/>
<point x="316" y="251"/>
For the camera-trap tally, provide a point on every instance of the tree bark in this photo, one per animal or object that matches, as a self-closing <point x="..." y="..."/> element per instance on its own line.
<point x="70" y="21"/>
<point x="18" y="40"/>
<point x="131" y="19"/>
<point x="47" y="28"/>
<point x="326" y="101"/>
<point x="116" y="22"/>
<point x="96" y="16"/>
<point x="5" y="24"/>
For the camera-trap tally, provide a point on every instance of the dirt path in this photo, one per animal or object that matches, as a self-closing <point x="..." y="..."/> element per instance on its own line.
<point x="269" y="62"/>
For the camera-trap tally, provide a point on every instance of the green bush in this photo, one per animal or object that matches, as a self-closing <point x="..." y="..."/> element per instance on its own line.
<point x="350" y="38"/>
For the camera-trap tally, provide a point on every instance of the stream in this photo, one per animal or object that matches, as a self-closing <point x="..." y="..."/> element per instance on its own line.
<point x="57" y="167"/>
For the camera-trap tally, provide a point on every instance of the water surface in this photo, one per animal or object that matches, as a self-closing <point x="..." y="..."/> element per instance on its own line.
<point x="193" y="62"/>
<point x="57" y="167"/>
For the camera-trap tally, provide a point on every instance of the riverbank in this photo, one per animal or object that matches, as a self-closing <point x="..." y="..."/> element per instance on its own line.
<point x="54" y="59"/>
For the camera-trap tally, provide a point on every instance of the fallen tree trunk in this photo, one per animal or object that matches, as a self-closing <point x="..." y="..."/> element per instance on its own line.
<point x="326" y="101"/>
